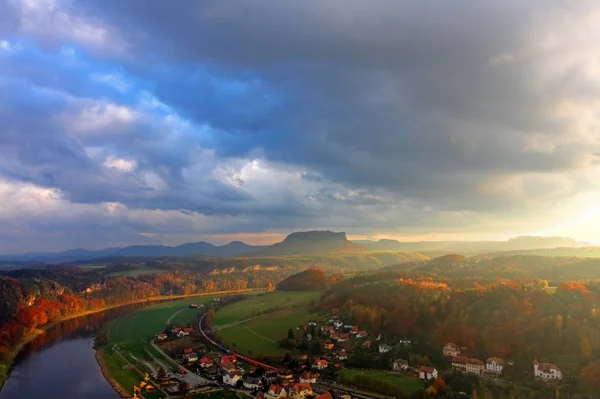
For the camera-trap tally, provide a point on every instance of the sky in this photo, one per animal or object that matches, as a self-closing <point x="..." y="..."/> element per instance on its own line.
<point x="139" y="122"/>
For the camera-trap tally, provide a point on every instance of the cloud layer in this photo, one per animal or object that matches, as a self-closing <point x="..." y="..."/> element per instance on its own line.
<point x="127" y="122"/>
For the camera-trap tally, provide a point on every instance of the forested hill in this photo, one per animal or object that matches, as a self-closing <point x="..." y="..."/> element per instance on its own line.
<point x="516" y="319"/>
<point x="308" y="280"/>
<point x="311" y="243"/>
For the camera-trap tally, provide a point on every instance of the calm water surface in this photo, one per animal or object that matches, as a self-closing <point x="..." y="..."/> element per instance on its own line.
<point x="61" y="365"/>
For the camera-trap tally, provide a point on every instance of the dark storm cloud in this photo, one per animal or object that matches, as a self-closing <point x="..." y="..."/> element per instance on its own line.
<point x="372" y="114"/>
<point x="393" y="94"/>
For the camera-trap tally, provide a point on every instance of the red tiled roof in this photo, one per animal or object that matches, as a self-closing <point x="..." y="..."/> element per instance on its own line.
<point x="301" y="386"/>
<point x="275" y="388"/>
<point x="426" y="369"/>
<point x="326" y="395"/>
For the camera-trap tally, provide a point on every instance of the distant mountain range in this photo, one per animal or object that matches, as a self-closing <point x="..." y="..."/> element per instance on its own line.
<point x="475" y="247"/>
<point x="202" y="248"/>
<point x="300" y="243"/>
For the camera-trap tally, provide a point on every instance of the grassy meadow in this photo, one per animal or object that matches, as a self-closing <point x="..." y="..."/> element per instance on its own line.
<point x="248" y="308"/>
<point x="408" y="384"/>
<point x="144" y="324"/>
<point x="271" y="314"/>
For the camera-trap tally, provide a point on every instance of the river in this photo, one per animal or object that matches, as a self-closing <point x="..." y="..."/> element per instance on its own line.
<point x="60" y="364"/>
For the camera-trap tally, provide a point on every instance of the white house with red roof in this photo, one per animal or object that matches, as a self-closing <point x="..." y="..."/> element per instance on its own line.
<point x="299" y="390"/>
<point x="275" y="392"/>
<point x="320" y="364"/>
<point x="427" y="373"/>
<point x="546" y="371"/>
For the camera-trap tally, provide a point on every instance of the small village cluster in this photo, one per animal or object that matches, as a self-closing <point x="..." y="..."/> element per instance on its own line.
<point x="340" y="333"/>
<point x="233" y="371"/>
<point x="494" y="365"/>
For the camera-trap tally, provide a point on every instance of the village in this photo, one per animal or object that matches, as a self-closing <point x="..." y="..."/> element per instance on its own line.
<point x="301" y="375"/>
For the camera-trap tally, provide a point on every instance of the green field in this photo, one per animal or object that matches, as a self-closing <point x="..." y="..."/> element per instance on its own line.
<point x="92" y="267"/>
<point x="136" y="272"/>
<point x="272" y="315"/>
<point x="248" y="308"/>
<point x="119" y="370"/>
<point x="408" y="384"/>
<point x="144" y="324"/>
<point x="260" y="336"/>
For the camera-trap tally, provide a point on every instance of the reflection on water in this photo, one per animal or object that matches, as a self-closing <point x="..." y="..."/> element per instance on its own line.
<point x="60" y="364"/>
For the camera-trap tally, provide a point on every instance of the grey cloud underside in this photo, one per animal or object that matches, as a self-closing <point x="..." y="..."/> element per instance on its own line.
<point x="393" y="98"/>
<point x="369" y="95"/>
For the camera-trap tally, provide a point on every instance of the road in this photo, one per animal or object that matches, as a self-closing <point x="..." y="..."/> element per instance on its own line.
<point x="189" y="377"/>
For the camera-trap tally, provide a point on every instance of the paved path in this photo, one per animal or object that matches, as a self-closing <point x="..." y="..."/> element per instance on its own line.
<point x="258" y="335"/>
<point x="173" y="315"/>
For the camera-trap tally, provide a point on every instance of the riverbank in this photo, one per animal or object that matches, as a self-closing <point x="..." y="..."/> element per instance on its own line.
<point x="7" y="364"/>
<point x="108" y="377"/>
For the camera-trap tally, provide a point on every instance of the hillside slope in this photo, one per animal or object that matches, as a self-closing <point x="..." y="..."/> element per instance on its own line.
<point x="308" y="280"/>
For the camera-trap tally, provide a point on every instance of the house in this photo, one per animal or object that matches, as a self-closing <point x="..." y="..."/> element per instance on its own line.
<point x="328" y="345"/>
<point x="193" y="306"/>
<point x="354" y="330"/>
<point x="400" y="365"/>
<point x="427" y="373"/>
<point x="475" y="366"/>
<point x="228" y="362"/>
<point x="451" y="349"/>
<point x="338" y="324"/>
<point x="300" y="390"/>
<point x="342" y="355"/>
<point x="343" y="337"/>
<point x="286" y="375"/>
<point x="361" y="334"/>
<point x="383" y="348"/>
<point x="494" y="365"/>
<point x="468" y="365"/>
<point x="405" y="342"/>
<point x="309" y="378"/>
<point x="320" y="364"/>
<point x="312" y="323"/>
<point x="304" y="357"/>
<point x="191" y="357"/>
<point x="348" y="326"/>
<point x="187" y="330"/>
<point x="326" y="395"/>
<point x="180" y="333"/>
<point x="459" y="363"/>
<point x="231" y="378"/>
<point x="187" y="351"/>
<point x="335" y="311"/>
<point x="327" y="329"/>
<point x="162" y="336"/>
<point x="252" y="383"/>
<point x="275" y="392"/>
<point x="206" y="362"/>
<point x="271" y="375"/>
<point x="546" y="371"/>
